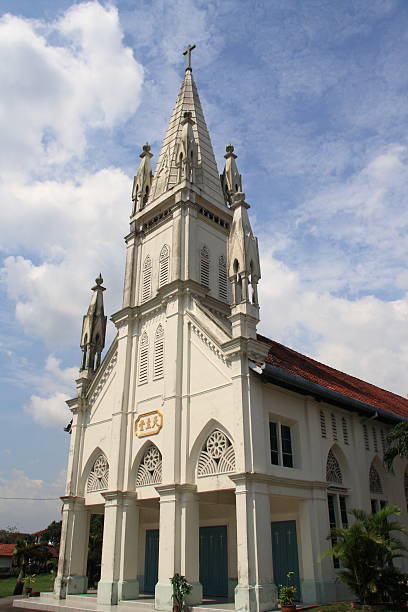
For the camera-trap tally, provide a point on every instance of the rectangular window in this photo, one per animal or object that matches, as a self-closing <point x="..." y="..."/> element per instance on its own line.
<point x="331" y="503"/>
<point x="343" y="510"/>
<point x="281" y="444"/>
<point x="374" y="506"/>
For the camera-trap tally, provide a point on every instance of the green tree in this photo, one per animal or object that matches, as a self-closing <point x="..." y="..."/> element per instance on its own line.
<point x="52" y="534"/>
<point x="9" y="535"/>
<point x="367" y="549"/>
<point x="397" y="444"/>
<point x="95" y="549"/>
<point x="26" y="553"/>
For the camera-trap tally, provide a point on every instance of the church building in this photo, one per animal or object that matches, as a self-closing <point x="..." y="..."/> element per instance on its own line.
<point x="212" y="451"/>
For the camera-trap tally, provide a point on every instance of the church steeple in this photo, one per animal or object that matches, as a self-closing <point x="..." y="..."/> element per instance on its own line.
<point x="93" y="330"/>
<point x="191" y="126"/>
<point x="142" y="182"/>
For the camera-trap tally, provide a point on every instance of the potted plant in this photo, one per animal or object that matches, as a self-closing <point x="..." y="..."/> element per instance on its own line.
<point x="181" y="588"/>
<point x="287" y="594"/>
<point x="29" y="580"/>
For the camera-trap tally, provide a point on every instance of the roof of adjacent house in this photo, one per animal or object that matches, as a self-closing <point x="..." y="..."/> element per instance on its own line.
<point x="7" y="550"/>
<point x="300" y="367"/>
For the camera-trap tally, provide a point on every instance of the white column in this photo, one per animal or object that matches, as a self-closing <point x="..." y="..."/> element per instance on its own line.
<point x="255" y="591"/>
<point x="128" y="587"/>
<point x="318" y="583"/>
<point x="169" y="544"/>
<point x="111" y="548"/>
<point x="190" y="542"/>
<point x="71" y="577"/>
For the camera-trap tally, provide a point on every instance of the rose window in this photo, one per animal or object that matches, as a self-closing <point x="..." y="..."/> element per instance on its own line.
<point x="216" y="444"/>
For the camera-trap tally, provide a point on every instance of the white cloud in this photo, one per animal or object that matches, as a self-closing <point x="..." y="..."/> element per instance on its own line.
<point x="53" y="92"/>
<point x="26" y="515"/>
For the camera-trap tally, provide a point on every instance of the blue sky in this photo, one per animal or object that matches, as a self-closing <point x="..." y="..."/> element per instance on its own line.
<point x="313" y="96"/>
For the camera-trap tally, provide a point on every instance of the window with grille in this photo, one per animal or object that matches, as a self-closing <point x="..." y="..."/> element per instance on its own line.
<point x="333" y="471"/>
<point x="337" y="508"/>
<point x="334" y="426"/>
<point x="323" y="431"/>
<point x="378" y="499"/>
<point x="345" y="431"/>
<point x="281" y="444"/>
<point x="205" y="266"/>
<point x="144" y="359"/>
<point x="147" y="279"/>
<point x="222" y="279"/>
<point x="164" y="265"/>
<point x="375" y="440"/>
<point x="158" y="361"/>
<point x="366" y="440"/>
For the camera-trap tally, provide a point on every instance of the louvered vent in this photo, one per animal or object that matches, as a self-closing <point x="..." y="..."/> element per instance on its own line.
<point x="147" y="279"/>
<point x="222" y="279"/>
<point x="323" y="424"/>
<point x="366" y="440"/>
<point x="144" y="359"/>
<point x="375" y="440"/>
<point x="383" y="441"/>
<point x="158" y="363"/>
<point x="345" y="431"/>
<point x="205" y="267"/>
<point x="334" y="426"/>
<point x="164" y="266"/>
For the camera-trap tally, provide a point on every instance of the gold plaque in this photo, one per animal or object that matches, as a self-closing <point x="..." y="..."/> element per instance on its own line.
<point x="148" y="423"/>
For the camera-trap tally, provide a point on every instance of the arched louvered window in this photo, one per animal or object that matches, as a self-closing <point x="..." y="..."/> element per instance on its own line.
<point x="217" y="455"/>
<point x="334" y="426"/>
<point x="99" y="475"/>
<point x="205" y="266"/>
<point x="144" y="359"/>
<point x="164" y="265"/>
<point x="375" y="481"/>
<point x="366" y="440"/>
<point x="222" y="279"/>
<point x="147" y="279"/>
<point x="333" y="471"/>
<point x="323" y="431"/>
<point x="345" y="430"/>
<point x="150" y="468"/>
<point x="158" y="359"/>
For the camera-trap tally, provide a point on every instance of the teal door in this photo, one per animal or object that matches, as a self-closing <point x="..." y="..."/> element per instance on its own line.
<point x="214" y="561"/>
<point x="151" y="560"/>
<point x="285" y="553"/>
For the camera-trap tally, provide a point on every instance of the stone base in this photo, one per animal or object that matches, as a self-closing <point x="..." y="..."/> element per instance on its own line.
<point x="70" y="585"/>
<point x="318" y="591"/>
<point x="107" y="592"/>
<point x="128" y="589"/>
<point x="163" y="596"/>
<point x="256" y="598"/>
<point x="196" y="595"/>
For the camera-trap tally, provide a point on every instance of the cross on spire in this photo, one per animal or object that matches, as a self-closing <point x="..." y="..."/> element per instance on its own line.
<point x="187" y="52"/>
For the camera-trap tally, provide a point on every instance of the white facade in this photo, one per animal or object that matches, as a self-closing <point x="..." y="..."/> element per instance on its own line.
<point x="172" y="431"/>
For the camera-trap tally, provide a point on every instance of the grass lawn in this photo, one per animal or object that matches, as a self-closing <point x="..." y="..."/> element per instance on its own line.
<point x="43" y="582"/>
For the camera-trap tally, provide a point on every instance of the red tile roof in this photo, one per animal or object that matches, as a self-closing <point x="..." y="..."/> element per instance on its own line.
<point x="7" y="550"/>
<point x="295" y="363"/>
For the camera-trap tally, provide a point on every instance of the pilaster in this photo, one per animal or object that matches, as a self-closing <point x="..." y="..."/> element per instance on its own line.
<point x="169" y="544"/>
<point x="111" y="548"/>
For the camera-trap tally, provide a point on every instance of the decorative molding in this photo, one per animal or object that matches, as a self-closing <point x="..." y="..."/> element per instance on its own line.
<point x="103" y="379"/>
<point x="211" y="345"/>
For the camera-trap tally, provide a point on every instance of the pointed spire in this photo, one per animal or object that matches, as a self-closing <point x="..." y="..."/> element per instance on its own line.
<point x="93" y="329"/>
<point x="244" y="269"/>
<point x="206" y="176"/>
<point x="230" y="179"/>
<point x="142" y="182"/>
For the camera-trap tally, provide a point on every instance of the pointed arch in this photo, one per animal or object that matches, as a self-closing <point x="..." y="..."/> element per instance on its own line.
<point x="333" y="471"/>
<point x="375" y="480"/>
<point x="164" y="265"/>
<point x="205" y="266"/>
<point x="86" y="470"/>
<point x="97" y="468"/>
<point x="217" y="454"/>
<point x="199" y="442"/>
<point x="147" y="279"/>
<point x="144" y="359"/>
<point x="158" y="357"/>
<point x="149" y="470"/>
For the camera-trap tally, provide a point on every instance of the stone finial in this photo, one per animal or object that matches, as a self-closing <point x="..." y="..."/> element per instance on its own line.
<point x="93" y="330"/>
<point x="230" y="179"/>
<point x="142" y="182"/>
